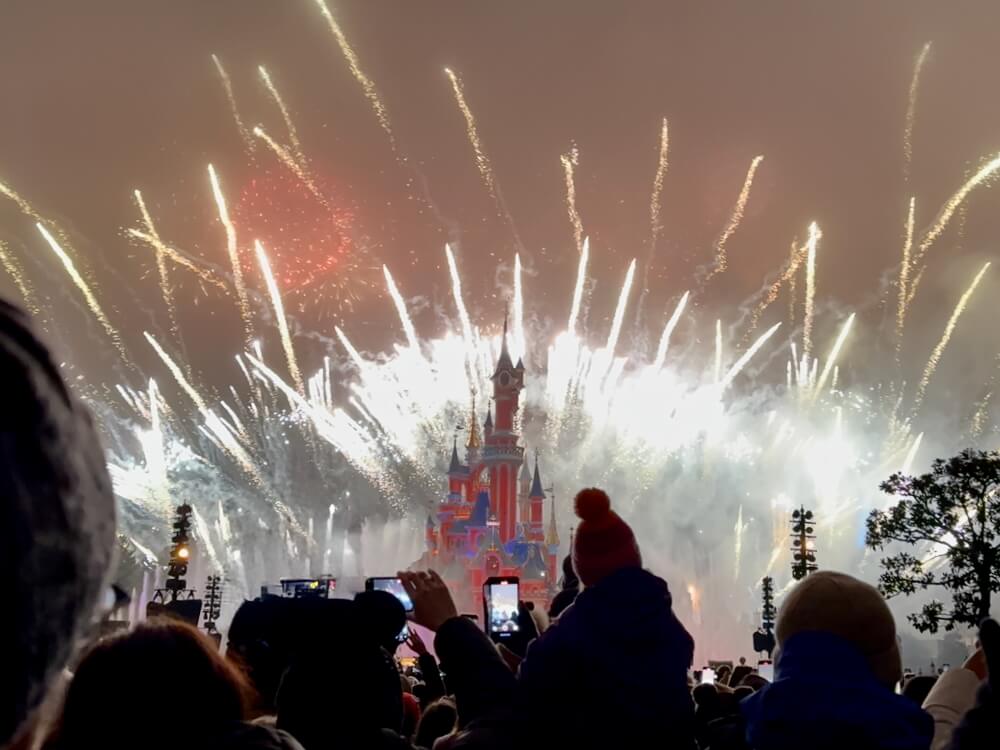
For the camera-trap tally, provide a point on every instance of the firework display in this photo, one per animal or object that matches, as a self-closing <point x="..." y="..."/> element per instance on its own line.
<point x="305" y="465"/>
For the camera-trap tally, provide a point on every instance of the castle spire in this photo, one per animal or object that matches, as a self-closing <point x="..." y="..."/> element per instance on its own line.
<point x="552" y="534"/>
<point x="474" y="441"/>
<point x="455" y="466"/>
<point x="536" y="482"/>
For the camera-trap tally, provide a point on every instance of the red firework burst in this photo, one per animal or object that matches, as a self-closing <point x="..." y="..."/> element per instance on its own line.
<point x="310" y="243"/>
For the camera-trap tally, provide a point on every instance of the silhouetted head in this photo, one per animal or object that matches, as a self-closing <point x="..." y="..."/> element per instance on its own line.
<point x="839" y="604"/>
<point x="57" y="520"/>
<point x="917" y="687"/>
<point x="437" y="720"/>
<point x="127" y="688"/>
<point x="382" y="615"/>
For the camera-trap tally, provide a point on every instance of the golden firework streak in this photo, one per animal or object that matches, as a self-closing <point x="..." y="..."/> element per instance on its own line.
<point x="293" y="135"/>
<point x="16" y="272"/>
<point x="84" y="288"/>
<point x="831" y="360"/>
<point x="279" y="314"/>
<point x="404" y="317"/>
<point x="904" y="276"/>
<point x="655" y="225"/>
<point x="234" y="256"/>
<point x="581" y="278"/>
<point x="288" y="159"/>
<point x="227" y="85"/>
<point x="668" y="329"/>
<point x="985" y="172"/>
<point x="807" y="325"/>
<point x="161" y="265"/>
<point x="949" y="329"/>
<point x="735" y="218"/>
<point x="367" y="85"/>
<point x="569" y="162"/>
<point x="482" y="161"/>
<point x="911" y="111"/>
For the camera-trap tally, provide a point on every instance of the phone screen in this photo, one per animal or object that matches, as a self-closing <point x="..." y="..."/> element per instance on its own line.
<point x="395" y="587"/>
<point x="503" y="608"/>
<point x="766" y="671"/>
<point x="707" y="676"/>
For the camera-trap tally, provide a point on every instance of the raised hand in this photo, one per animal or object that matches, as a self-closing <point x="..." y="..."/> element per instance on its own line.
<point x="416" y="643"/>
<point x="432" y="602"/>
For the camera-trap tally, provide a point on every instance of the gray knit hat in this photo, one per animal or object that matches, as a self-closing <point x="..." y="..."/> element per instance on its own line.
<point x="57" y="520"/>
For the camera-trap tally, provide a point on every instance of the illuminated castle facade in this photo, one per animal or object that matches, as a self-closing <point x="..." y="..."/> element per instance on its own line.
<point x="492" y="521"/>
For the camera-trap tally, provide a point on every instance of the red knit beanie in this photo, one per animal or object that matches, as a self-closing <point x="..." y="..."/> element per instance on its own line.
<point x="603" y="543"/>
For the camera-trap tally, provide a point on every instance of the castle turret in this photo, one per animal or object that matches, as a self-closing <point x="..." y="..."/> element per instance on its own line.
<point x="523" y="493"/>
<point x="536" y="500"/>
<point x="501" y="453"/>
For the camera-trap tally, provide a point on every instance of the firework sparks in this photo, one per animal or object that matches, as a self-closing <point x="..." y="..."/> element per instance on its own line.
<point x="519" y="339"/>
<point x="721" y="260"/>
<point x="482" y="161"/>
<point x="831" y="360"/>
<point x="293" y="135"/>
<point x="281" y="320"/>
<point x="13" y="268"/>
<point x="787" y="276"/>
<point x="982" y="176"/>
<point x="949" y="329"/>
<point x="581" y="279"/>
<point x="911" y="111"/>
<point x="911" y="454"/>
<point x="807" y="322"/>
<point x="655" y="225"/>
<point x="84" y="287"/>
<point x="569" y="162"/>
<point x="904" y="276"/>
<point x="404" y="316"/>
<point x="737" y="368"/>
<point x="234" y="255"/>
<point x="668" y="329"/>
<point x="616" y="324"/>
<point x="161" y="266"/>
<point x="463" y="314"/>
<point x="367" y="85"/>
<point x="227" y="85"/>
<point x="288" y="159"/>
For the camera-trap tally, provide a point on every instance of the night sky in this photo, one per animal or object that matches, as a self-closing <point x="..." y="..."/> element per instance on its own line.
<point x="102" y="97"/>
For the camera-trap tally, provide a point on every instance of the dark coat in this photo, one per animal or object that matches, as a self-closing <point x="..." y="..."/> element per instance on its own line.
<point x="612" y="671"/>
<point x="824" y="695"/>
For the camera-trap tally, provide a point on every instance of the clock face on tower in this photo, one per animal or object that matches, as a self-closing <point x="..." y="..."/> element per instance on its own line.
<point x="504" y="379"/>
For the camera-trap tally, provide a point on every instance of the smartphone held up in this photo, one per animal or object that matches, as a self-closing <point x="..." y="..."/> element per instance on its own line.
<point x="500" y="605"/>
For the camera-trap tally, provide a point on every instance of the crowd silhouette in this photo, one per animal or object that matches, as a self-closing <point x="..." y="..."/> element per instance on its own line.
<point x="609" y="667"/>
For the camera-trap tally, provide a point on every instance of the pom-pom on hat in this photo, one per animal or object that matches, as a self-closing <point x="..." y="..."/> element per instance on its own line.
<point x="603" y="543"/>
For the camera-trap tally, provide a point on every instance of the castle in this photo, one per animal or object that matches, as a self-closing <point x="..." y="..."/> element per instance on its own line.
<point x="492" y="521"/>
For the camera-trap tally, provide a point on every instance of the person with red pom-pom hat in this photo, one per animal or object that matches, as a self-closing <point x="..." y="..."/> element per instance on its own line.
<point x="612" y="670"/>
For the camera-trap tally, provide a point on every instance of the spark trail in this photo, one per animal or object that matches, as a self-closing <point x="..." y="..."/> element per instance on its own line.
<point x="581" y="279"/>
<point x="14" y="269"/>
<point x="807" y="323"/>
<point x="367" y="85"/>
<point x="569" y="162"/>
<point x="655" y="225"/>
<point x="227" y="85"/>
<point x="482" y="161"/>
<point x="949" y="329"/>
<point x="982" y="176"/>
<point x="288" y="159"/>
<point x="281" y="320"/>
<point x="911" y="111"/>
<point x="786" y="277"/>
<point x="84" y="287"/>
<point x="661" y="350"/>
<point x="718" y="350"/>
<point x="404" y="316"/>
<point x="293" y="135"/>
<point x="519" y="338"/>
<point x="831" y="360"/>
<point x="721" y="260"/>
<point x="161" y="266"/>
<point x="904" y="277"/>
<point x="234" y="255"/>
<point x="616" y="324"/>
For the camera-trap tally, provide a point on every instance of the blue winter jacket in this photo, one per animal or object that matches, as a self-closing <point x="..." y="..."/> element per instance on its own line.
<point x="825" y="696"/>
<point x="612" y="671"/>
